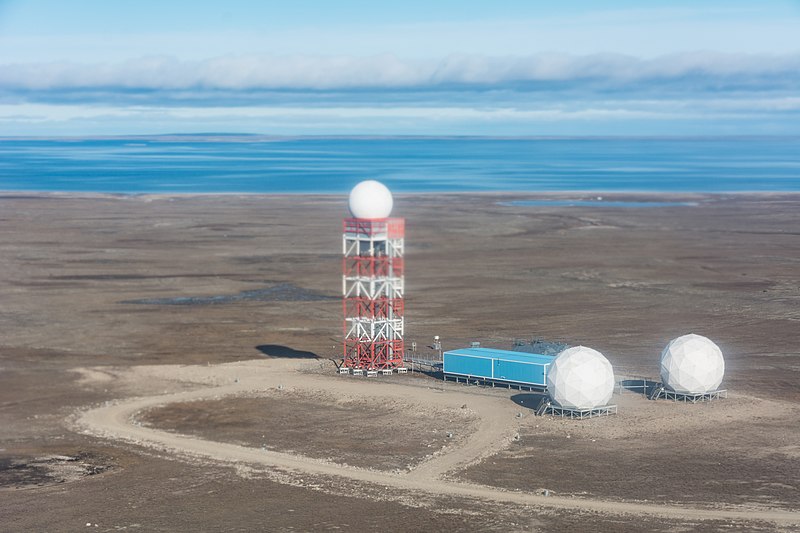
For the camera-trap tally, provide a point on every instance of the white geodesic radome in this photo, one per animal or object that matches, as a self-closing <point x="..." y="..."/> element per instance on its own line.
<point x="580" y="378"/>
<point x="692" y="364"/>
<point x="371" y="199"/>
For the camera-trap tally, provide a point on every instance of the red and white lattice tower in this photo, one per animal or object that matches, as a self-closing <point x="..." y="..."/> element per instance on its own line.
<point x="373" y="287"/>
<point x="373" y="281"/>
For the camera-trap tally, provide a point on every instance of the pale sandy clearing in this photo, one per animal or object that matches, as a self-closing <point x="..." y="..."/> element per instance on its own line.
<point x="496" y="427"/>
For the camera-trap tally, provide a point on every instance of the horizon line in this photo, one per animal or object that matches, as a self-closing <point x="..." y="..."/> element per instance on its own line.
<point x="266" y="136"/>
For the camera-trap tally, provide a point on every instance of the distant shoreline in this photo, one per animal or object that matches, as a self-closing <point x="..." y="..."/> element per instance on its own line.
<point x="499" y="195"/>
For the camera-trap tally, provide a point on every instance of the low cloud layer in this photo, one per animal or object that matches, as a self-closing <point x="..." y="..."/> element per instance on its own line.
<point x="603" y="72"/>
<point x="697" y="93"/>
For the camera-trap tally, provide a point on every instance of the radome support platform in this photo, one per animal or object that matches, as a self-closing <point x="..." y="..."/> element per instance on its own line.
<point x="566" y="412"/>
<point x="689" y="397"/>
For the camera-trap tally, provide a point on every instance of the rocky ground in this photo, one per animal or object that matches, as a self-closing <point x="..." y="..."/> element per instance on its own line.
<point x="92" y="287"/>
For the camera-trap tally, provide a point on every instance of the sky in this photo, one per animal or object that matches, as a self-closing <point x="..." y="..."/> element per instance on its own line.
<point x="444" y="67"/>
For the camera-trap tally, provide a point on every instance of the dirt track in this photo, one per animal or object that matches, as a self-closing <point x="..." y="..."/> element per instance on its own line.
<point x="497" y="423"/>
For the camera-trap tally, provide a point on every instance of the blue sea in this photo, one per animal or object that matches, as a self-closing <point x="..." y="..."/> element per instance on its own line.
<point x="253" y="164"/>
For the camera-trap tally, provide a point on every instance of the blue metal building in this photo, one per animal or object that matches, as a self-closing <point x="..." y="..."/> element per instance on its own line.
<point x="497" y="366"/>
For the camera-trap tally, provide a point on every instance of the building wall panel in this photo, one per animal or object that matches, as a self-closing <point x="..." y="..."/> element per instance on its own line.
<point x="497" y="365"/>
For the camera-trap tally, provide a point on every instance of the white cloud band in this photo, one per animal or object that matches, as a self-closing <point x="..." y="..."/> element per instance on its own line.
<point x="249" y="73"/>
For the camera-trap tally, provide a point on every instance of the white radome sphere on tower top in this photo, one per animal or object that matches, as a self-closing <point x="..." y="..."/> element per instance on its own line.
<point x="580" y="378"/>
<point x="371" y="199"/>
<point x="692" y="364"/>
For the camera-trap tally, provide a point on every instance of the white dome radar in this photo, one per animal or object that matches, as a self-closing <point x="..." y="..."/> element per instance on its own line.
<point x="580" y="378"/>
<point x="371" y="199"/>
<point x="692" y="364"/>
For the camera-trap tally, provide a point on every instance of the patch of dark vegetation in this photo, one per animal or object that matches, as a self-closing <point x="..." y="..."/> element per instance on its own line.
<point x="126" y="277"/>
<point x="24" y="472"/>
<point x="27" y="197"/>
<point x="102" y="261"/>
<point x="737" y="284"/>
<point x="283" y="292"/>
<point x="282" y="259"/>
